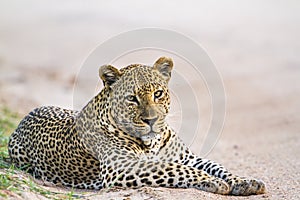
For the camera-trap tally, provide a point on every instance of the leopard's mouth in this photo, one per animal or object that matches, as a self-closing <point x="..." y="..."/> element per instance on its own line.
<point x="150" y="136"/>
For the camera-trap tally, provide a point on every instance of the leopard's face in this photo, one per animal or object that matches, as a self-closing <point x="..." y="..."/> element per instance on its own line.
<point x="139" y="98"/>
<point x="140" y="101"/>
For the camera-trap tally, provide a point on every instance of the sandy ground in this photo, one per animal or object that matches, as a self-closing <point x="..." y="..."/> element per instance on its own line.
<point x="254" y="44"/>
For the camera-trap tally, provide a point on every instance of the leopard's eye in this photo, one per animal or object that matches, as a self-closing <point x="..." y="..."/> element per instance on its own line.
<point x="158" y="94"/>
<point x="132" y="98"/>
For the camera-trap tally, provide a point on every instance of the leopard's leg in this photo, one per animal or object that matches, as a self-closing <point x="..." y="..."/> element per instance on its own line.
<point x="135" y="173"/>
<point x="238" y="185"/>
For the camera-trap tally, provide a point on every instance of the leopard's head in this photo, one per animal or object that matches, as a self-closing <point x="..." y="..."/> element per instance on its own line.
<point x="139" y="97"/>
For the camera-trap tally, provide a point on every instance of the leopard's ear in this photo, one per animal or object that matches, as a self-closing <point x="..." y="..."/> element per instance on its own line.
<point x="164" y="65"/>
<point x="109" y="74"/>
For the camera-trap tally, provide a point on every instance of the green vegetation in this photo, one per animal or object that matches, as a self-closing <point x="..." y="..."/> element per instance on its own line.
<point x="8" y="121"/>
<point x="13" y="182"/>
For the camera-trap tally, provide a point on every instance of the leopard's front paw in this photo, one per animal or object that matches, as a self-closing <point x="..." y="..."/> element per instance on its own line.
<point x="215" y="185"/>
<point x="239" y="186"/>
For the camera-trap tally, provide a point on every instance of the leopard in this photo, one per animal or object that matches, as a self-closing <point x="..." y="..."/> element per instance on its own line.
<point x="120" y="138"/>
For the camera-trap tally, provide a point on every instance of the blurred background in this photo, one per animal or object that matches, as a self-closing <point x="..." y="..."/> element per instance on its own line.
<point x="254" y="44"/>
<point x="43" y="44"/>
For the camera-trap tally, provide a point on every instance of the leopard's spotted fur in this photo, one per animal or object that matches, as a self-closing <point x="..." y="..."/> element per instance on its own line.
<point x="120" y="138"/>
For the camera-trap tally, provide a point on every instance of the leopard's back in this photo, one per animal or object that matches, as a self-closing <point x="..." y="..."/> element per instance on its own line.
<point x="45" y="144"/>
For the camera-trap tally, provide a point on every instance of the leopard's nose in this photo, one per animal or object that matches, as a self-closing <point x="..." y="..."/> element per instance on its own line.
<point x="149" y="121"/>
